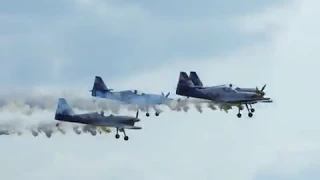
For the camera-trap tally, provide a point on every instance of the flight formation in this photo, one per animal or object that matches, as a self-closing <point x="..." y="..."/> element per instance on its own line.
<point x="190" y="87"/>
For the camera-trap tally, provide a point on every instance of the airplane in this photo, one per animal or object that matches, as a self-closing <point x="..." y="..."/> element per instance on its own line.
<point x="198" y="83"/>
<point x="64" y="113"/>
<point x="131" y="97"/>
<point x="222" y="94"/>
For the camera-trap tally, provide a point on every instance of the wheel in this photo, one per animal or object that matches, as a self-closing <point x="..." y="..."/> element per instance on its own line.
<point x="57" y="125"/>
<point x="147" y="114"/>
<point x="239" y="115"/>
<point x="117" y="136"/>
<point x="250" y="114"/>
<point x="126" y="138"/>
<point x="157" y="114"/>
<point x="252" y="110"/>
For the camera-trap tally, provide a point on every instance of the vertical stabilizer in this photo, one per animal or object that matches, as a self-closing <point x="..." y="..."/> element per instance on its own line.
<point x="195" y="79"/>
<point x="184" y="80"/>
<point x="63" y="108"/>
<point x="99" y="86"/>
<point x="184" y="83"/>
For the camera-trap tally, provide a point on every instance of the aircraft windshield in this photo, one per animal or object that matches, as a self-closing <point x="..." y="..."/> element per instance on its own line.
<point x="229" y="89"/>
<point x="232" y="86"/>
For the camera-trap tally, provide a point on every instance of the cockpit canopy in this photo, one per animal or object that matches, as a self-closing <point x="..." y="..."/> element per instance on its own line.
<point x="138" y="92"/>
<point x="228" y="89"/>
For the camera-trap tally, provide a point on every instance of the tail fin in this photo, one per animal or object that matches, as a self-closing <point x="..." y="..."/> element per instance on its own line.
<point x="63" y="108"/>
<point x="184" y="83"/>
<point x="195" y="79"/>
<point x="99" y="86"/>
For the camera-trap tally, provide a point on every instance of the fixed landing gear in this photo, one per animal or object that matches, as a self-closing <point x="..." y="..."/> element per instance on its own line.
<point x="239" y="111"/>
<point x="250" y="111"/>
<point x="126" y="138"/>
<point x="148" y="114"/>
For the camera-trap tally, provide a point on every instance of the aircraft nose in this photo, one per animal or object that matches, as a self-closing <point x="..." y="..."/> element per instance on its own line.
<point x="256" y="96"/>
<point x="136" y="119"/>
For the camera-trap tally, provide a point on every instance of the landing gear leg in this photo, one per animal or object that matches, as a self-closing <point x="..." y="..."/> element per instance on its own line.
<point x="148" y="114"/>
<point x="250" y="113"/>
<point x="239" y="114"/>
<point x="126" y="138"/>
<point x="117" y="134"/>
<point x="251" y="109"/>
<point x="157" y="114"/>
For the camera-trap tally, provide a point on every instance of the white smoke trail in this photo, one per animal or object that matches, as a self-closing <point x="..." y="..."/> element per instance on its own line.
<point x="41" y="123"/>
<point x="29" y="101"/>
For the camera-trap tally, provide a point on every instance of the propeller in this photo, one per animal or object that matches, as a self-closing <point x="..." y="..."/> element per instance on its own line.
<point x="261" y="91"/>
<point x="167" y="95"/>
<point x="137" y="114"/>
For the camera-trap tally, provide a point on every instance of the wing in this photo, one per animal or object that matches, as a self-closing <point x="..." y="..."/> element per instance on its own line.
<point x="130" y="127"/>
<point x="118" y="125"/>
<point x="250" y="101"/>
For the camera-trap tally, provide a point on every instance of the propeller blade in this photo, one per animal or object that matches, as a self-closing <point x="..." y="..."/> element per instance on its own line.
<point x="168" y="94"/>
<point x="162" y="93"/>
<point x="263" y="87"/>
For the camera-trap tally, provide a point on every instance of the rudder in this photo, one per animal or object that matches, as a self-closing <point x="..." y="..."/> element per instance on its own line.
<point x="63" y="108"/>
<point x="99" y="85"/>
<point x="184" y="83"/>
<point x="195" y="79"/>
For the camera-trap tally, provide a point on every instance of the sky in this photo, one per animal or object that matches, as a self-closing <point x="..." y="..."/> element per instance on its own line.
<point x="53" y="47"/>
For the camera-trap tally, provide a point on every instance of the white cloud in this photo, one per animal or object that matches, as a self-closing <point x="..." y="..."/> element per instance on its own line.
<point x="212" y="145"/>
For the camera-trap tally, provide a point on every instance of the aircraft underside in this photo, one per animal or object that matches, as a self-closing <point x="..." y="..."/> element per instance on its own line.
<point x="250" y="109"/>
<point x="126" y="138"/>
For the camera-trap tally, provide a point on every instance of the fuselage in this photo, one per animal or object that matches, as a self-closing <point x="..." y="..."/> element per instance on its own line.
<point x="219" y="94"/>
<point x="252" y="90"/>
<point x="131" y="97"/>
<point x="97" y="119"/>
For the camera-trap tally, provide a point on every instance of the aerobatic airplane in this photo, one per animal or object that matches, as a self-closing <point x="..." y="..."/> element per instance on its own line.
<point x="198" y="83"/>
<point x="64" y="113"/>
<point x="143" y="101"/>
<point x="224" y="95"/>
